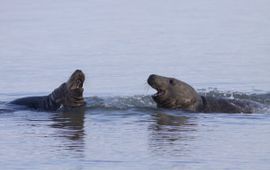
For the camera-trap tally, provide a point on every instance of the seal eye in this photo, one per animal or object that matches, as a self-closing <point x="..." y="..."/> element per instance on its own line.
<point x="172" y="82"/>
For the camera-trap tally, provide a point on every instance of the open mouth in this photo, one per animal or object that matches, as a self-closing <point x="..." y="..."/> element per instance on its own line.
<point x="159" y="93"/>
<point x="79" y="83"/>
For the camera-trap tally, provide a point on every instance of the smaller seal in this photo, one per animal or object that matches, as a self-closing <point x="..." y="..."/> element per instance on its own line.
<point x="67" y="95"/>
<point x="174" y="94"/>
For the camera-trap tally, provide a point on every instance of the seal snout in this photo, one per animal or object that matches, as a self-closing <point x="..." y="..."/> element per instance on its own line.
<point x="79" y="75"/>
<point x="155" y="82"/>
<point x="78" y="70"/>
<point x="76" y="80"/>
<point x="151" y="79"/>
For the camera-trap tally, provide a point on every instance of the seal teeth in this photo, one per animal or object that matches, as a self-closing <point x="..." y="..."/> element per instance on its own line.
<point x="78" y="83"/>
<point x="159" y="93"/>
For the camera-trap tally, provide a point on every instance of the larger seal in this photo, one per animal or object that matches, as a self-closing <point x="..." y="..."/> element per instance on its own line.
<point x="173" y="93"/>
<point x="68" y="95"/>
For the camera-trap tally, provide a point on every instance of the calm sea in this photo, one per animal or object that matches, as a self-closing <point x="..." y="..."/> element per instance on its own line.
<point x="220" y="47"/>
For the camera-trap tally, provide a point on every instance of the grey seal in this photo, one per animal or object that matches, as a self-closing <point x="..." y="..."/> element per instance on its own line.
<point x="68" y="95"/>
<point x="176" y="94"/>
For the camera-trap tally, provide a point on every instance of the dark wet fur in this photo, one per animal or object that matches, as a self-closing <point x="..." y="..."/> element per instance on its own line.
<point x="69" y="94"/>
<point x="173" y="93"/>
<point x="214" y="104"/>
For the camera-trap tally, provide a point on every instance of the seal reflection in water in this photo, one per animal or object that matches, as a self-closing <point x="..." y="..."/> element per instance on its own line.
<point x="70" y="123"/>
<point x="173" y="93"/>
<point x="68" y="95"/>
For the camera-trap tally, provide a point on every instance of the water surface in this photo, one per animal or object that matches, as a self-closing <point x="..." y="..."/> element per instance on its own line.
<point x="218" y="46"/>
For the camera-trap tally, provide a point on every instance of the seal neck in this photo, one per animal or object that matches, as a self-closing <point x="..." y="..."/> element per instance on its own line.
<point x="57" y="96"/>
<point x="203" y="105"/>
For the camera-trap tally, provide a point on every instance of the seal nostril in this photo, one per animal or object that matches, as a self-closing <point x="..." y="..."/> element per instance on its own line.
<point x="78" y="71"/>
<point x="152" y="77"/>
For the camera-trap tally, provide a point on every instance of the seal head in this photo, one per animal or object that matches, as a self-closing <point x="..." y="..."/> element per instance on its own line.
<point x="173" y="93"/>
<point x="73" y="96"/>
